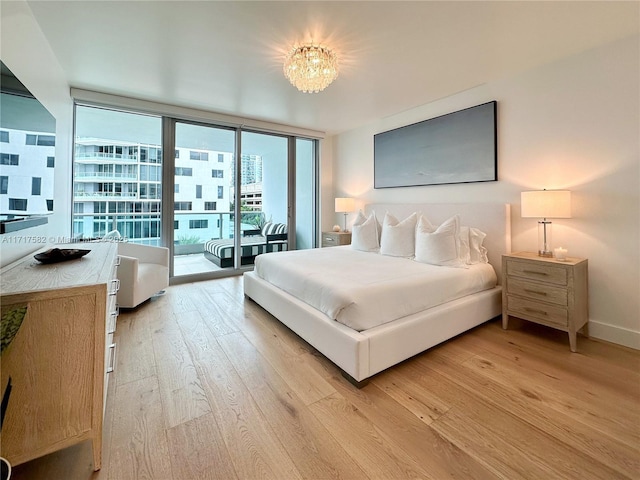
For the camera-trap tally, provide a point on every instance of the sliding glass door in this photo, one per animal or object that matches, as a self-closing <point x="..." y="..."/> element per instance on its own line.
<point x="203" y="197"/>
<point x="264" y="185"/>
<point x="217" y="196"/>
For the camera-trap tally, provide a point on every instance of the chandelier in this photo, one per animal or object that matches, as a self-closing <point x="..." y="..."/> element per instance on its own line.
<point x="311" y="68"/>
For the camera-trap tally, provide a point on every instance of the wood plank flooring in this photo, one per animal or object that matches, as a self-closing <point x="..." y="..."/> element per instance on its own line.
<point x="210" y="386"/>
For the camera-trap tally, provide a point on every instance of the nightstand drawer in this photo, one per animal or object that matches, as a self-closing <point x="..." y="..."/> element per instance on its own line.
<point x="537" y="291"/>
<point x="528" y="309"/>
<point x="334" y="239"/>
<point x="330" y="241"/>
<point x="543" y="272"/>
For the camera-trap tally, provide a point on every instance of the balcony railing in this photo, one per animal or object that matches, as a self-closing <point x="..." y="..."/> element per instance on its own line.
<point x="193" y="230"/>
<point x="98" y="195"/>
<point x="105" y="156"/>
<point x="105" y="176"/>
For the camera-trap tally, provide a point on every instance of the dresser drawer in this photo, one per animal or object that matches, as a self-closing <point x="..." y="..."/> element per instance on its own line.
<point x="537" y="291"/>
<point x="537" y="311"/>
<point x="542" y="272"/>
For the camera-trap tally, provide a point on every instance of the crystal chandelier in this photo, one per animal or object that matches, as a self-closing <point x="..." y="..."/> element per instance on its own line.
<point x="311" y="68"/>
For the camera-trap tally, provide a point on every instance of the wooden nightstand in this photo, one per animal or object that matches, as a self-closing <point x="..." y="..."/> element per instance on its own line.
<point x="546" y="291"/>
<point x="333" y="239"/>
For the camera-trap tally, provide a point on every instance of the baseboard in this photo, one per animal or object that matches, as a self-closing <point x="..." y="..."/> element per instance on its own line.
<point x="614" y="334"/>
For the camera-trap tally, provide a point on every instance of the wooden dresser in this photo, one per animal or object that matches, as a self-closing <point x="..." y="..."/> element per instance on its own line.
<point x="60" y="358"/>
<point x="546" y="291"/>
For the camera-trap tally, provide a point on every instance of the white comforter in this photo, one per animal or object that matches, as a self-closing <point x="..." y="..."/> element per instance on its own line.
<point x="362" y="289"/>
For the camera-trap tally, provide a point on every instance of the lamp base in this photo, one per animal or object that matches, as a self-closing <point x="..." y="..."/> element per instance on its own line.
<point x="544" y="239"/>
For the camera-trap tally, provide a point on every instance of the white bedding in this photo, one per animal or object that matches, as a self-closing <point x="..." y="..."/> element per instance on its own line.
<point x="362" y="289"/>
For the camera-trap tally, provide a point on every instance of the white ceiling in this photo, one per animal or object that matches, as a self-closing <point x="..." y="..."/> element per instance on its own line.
<point x="227" y="56"/>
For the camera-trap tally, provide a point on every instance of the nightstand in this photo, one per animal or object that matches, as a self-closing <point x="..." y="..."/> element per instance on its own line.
<point x="546" y="291"/>
<point x="333" y="239"/>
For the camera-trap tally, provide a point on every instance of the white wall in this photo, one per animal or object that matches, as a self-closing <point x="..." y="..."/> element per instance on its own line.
<point x="28" y="55"/>
<point x="573" y="124"/>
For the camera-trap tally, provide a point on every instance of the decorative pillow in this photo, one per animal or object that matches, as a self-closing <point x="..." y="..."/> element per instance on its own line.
<point x="439" y="247"/>
<point x="478" y="253"/>
<point x="271" y="228"/>
<point x="398" y="238"/>
<point x="364" y="233"/>
<point x="267" y="229"/>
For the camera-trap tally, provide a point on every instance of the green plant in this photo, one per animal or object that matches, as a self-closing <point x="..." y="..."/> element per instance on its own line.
<point x="189" y="240"/>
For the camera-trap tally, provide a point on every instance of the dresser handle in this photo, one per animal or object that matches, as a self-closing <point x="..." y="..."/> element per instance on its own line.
<point x="116" y="284"/>
<point x="535" y="310"/>
<point x="113" y="318"/>
<point x="535" y="273"/>
<point x="536" y="292"/>
<point x="112" y="358"/>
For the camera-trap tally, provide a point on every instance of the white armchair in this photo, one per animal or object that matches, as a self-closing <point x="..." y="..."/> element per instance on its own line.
<point x="143" y="271"/>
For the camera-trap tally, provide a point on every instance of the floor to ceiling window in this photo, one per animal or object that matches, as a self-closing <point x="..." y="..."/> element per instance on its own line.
<point x="205" y="191"/>
<point x="117" y="175"/>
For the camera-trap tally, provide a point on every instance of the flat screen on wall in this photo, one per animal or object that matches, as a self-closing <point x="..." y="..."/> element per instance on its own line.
<point x="459" y="147"/>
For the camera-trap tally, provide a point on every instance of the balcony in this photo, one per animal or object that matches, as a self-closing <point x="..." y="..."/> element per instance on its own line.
<point x="191" y="231"/>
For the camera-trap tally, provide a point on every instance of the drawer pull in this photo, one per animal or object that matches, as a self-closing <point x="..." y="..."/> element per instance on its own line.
<point x="118" y="259"/>
<point x="544" y="274"/>
<point x="112" y="358"/>
<point x="112" y="324"/>
<point x="115" y="284"/>
<point x="536" y="292"/>
<point x="535" y="310"/>
<point x="328" y="239"/>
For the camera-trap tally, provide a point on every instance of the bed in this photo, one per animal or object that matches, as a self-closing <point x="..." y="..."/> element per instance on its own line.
<point x="364" y="350"/>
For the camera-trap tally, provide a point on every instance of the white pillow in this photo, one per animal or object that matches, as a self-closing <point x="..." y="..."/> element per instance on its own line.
<point x="439" y="247"/>
<point x="364" y="233"/>
<point x="478" y="253"/>
<point x="398" y="238"/>
<point x="464" y="249"/>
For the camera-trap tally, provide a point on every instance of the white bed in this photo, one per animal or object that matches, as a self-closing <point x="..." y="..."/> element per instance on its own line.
<point x="361" y="354"/>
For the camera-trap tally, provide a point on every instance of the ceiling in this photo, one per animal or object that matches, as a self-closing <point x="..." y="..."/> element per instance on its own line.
<point x="227" y="56"/>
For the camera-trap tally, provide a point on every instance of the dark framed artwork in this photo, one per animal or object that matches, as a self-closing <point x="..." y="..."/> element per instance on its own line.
<point x="459" y="147"/>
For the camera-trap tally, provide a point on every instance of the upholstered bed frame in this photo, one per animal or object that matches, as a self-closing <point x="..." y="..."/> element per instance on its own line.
<point x="361" y="355"/>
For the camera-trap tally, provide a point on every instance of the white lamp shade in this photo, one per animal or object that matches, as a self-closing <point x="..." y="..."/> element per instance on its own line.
<point x="546" y="204"/>
<point x="345" y="204"/>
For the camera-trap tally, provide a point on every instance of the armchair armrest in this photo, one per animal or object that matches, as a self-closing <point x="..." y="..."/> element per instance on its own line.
<point x="145" y="253"/>
<point x="128" y="269"/>
<point x="251" y="233"/>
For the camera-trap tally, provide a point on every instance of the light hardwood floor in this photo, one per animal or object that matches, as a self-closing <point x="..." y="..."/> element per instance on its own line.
<point x="208" y="385"/>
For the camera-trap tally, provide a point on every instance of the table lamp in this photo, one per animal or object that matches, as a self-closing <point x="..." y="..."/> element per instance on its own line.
<point x="345" y="205"/>
<point x="545" y="204"/>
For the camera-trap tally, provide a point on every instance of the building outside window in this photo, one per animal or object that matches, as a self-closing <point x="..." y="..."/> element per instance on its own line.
<point x="35" y="185"/>
<point x="9" y="159"/>
<point x="51" y="162"/>
<point x="4" y="184"/>
<point x="198" y="223"/>
<point x="19" y="204"/>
